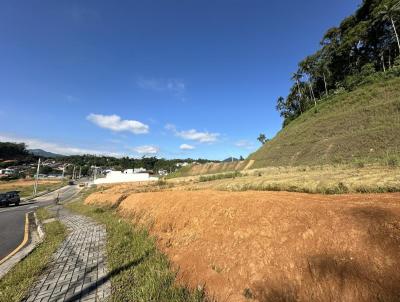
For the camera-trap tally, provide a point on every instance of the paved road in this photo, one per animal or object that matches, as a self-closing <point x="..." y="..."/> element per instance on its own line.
<point x="12" y="219"/>
<point x="78" y="271"/>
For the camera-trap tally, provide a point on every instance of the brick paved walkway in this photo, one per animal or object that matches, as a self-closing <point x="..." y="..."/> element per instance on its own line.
<point x="78" y="272"/>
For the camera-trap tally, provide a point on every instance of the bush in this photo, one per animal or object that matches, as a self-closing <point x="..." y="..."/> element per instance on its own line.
<point x="220" y="176"/>
<point x="392" y="162"/>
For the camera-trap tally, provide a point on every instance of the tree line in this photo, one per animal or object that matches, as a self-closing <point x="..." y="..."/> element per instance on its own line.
<point x="364" y="47"/>
<point x="149" y="163"/>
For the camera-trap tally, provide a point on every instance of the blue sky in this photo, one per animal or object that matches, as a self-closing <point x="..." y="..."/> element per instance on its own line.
<point x="173" y="78"/>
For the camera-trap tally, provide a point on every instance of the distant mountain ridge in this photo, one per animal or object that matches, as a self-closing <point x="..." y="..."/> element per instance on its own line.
<point x="43" y="153"/>
<point x="230" y="159"/>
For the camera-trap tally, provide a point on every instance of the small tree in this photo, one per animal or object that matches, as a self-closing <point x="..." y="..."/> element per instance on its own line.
<point x="262" y="138"/>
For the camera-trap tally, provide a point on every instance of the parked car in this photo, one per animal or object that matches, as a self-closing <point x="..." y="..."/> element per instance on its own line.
<point x="8" y="198"/>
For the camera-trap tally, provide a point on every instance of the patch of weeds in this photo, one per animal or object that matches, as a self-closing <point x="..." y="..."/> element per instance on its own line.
<point x="340" y="188"/>
<point x="359" y="164"/>
<point x="392" y="162"/>
<point x="43" y="214"/>
<point x="220" y="176"/>
<point x="248" y="294"/>
<point x="378" y="189"/>
<point x="216" y="268"/>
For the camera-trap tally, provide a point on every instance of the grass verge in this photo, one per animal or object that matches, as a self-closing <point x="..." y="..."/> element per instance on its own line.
<point x="15" y="285"/>
<point x="27" y="190"/>
<point x="139" y="272"/>
<point x="220" y="176"/>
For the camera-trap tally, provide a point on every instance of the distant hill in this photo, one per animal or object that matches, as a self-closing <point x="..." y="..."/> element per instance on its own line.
<point x="43" y="153"/>
<point x="230" y="159"/>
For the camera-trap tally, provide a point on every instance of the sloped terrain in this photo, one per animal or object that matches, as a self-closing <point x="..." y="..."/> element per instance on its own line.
<point x="362" y="125"/>
<point x="273" y="246"/>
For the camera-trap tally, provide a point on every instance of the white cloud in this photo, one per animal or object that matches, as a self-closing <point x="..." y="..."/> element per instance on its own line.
<point x="193" y="134"/>
<point x="244" y="144"/>
<point x="175" y="86"/>
<point x="115" y="123"/>
<point x="202" y="137"/>
<point x="186" y="147"/>
<point x="33" y="143"/>
<point x="146" y="149"/>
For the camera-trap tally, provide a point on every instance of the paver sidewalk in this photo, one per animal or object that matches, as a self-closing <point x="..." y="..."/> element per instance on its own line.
<point x="78" y="272"/>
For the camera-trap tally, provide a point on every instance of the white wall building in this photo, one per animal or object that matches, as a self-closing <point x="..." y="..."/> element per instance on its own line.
<point x="126" y="176"/>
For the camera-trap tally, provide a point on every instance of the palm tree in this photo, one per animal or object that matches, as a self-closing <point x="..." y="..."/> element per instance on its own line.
<point x="387" y="14"/>
<point x="296" y="76"/>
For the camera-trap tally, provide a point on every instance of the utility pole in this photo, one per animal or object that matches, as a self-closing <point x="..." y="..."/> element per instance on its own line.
<point x="63" y="172"/>
<point x="80" y="172"/>
<point x="73" y="173"/>
<point x="36" y="179"/>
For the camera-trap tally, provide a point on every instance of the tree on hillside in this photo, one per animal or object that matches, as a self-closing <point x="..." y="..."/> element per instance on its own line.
<point x="296" y="76"/>
<point x="262" y="138"/>
<point x="388" y="14"/>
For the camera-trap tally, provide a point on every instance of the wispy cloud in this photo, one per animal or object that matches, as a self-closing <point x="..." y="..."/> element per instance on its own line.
<point x="146" y="149"/>
<point x="176" y="87"/>
<point x="193" y="134"/>
<point x="115" y="123"/>
<point x="186" y="147"/>
<point x="70" y="98"/>
<point x="245" y="144"/>
<point x="34" y="143"/>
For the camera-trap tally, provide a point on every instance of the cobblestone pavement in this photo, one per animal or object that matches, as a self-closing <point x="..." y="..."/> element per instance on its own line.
<point x="78" y="272"/>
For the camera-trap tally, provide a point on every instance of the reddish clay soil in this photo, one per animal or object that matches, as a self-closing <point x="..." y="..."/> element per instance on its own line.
<point x="275" y="246"/>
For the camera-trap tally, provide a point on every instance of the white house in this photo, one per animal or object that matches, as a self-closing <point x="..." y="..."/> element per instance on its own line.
<point x="126" y="176"/>
<point x="7" y="171"/>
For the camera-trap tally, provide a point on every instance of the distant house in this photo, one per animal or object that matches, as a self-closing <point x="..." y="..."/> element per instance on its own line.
<point x="162" y="172"/>
<point x="125" y="176"/>
<point x="184" y="164"/>
<point x="139" y="170"/>
<point x="7" y="172"/>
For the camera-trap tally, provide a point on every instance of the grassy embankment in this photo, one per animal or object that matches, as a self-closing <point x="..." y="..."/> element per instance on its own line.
<point x="139" y="271"/>
<point x="315" y="179"/>
<point x="15" y="285"/>
<point x="361" y="126"/>
<point x="26" y="187"/>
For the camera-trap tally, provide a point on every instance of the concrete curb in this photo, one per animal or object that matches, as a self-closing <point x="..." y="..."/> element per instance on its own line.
<point x="34" y="232"/>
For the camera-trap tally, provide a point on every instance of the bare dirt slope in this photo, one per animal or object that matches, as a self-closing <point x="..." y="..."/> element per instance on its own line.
<point x="275" y="246"/>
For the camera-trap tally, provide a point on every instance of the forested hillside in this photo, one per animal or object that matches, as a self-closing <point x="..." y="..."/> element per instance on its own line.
<point x="363" y="48"/>
<point x="361" y="126"/>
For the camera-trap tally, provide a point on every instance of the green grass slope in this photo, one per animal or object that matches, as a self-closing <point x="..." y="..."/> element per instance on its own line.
<point x="358" y="126"/>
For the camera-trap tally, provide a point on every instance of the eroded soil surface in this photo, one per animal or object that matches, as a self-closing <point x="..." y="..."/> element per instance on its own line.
<point x="274" y="246"/>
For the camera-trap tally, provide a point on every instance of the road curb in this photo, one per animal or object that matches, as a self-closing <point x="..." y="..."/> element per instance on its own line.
<point x="22" y="244"/>
<point x="33" y="231"/>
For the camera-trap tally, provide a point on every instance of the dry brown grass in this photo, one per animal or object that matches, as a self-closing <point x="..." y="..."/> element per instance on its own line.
<point x="26" y="185"/>
<point x="317" y="179"/>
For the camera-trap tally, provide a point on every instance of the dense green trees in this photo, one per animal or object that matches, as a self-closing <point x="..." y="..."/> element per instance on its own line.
<point x="149" y="163"/>
<point x="12" y="150"/>
<point x="362" y="45"/>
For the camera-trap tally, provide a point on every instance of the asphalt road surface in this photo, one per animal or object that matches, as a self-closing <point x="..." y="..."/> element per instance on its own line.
<point x="12" y="218"/>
